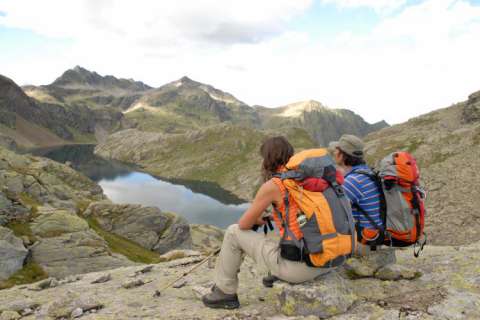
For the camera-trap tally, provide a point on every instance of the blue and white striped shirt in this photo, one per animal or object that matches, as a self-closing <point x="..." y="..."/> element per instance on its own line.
<point x="363" y="192"/>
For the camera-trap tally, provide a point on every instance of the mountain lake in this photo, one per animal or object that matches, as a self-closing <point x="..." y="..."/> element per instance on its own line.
<point x="198" y="202"/>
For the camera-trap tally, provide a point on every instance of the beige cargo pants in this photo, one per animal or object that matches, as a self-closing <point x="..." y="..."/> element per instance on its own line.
<point x="266" y="254"/>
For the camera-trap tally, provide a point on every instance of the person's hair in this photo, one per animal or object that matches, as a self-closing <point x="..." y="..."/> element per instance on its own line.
<point x="351" y="161"/>
<point x="275" y="152"/>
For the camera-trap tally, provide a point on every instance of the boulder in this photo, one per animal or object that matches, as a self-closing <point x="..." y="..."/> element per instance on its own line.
<point x="393" y="272"/>
<point x="148" y="226"/>
<point x="57" y="222"/>
<point x="10" y="315"/>
<point x="206" y="237"/>
<point x="12" y="253"/>
<point x="328" y="296"/>
<point x="366" y="266"/>
<point x="75" y="253"/>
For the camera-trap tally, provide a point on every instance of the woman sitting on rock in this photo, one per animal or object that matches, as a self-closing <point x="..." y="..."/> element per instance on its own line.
<point x="240" y="239"/>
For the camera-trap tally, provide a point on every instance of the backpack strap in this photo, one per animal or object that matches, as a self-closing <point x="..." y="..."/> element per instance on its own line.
<point x="374" y="178"/>
<point x="366" y="215"/>
<point x="286" y="230"/>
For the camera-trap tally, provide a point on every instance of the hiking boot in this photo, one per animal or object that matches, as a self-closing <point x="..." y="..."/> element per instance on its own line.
<point x="217" y="299"/>
<point x="269" y="280"/>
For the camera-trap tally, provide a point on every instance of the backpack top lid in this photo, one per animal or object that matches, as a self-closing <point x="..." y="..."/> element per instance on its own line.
<point x="401" y="165"/>
<point x="315" y="163"/>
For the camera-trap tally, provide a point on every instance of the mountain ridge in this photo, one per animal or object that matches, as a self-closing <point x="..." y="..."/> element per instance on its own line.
<point x="81" y="76"/>
<point x="35" y="123"/>
<point x="185" y="104"/>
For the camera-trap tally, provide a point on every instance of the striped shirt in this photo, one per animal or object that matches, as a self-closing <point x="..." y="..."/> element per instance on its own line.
<point x="363" y="192"/>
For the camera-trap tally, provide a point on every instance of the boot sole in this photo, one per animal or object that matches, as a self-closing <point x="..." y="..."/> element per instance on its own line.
<point x="224" y="305"/>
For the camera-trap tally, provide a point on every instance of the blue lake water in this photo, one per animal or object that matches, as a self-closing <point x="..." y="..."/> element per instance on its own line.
<point x="198" y="202"/>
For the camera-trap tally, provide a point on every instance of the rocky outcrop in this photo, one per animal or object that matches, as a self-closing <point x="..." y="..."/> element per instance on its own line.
<point x="449" y="289"/>
<point x="70" y="253"/>
<point x="30" y="182"/>
<point x="13" y="253"/>
<point x="206" y="237"/>
<point x="148" y="226"/>
<point x="471" y="110"/>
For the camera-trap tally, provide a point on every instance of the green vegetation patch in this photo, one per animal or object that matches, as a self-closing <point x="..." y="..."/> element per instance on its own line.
<point x="123" y="246"/>
<point x="31" y="272"/>
<point x="30" y="202"/>
<point x="21" y="229"/>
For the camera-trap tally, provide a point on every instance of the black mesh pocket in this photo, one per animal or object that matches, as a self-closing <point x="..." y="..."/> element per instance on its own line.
<point x="290" y="252"/>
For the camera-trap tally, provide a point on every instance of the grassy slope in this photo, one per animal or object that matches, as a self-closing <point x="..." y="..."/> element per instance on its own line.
<point x="226" y="155"/>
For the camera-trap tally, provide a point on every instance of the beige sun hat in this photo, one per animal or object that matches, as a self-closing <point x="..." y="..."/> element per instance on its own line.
<point x="350" y="144"/>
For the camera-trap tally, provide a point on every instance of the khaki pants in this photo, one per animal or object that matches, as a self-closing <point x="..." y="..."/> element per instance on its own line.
<point x="265" y="252"/>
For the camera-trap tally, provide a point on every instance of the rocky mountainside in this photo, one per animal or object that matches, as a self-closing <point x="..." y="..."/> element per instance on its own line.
<point x="322" y="123"/>
<point x="56" y="222"/>
<point x="80" y="86"/>
<point x="33" y="123"/>
<point x="79" y="77"/>
<point x="446" y="144"/>
<point x="225" y="155"/>
<point x="186" y="104"/>
<point x="442" y="284"/>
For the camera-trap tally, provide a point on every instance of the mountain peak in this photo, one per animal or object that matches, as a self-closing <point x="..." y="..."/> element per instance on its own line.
<point x="78" y="68"/>
<point x="80" y="77"/>
<point x="186" y="79"/>
<point x="298" y="108"/>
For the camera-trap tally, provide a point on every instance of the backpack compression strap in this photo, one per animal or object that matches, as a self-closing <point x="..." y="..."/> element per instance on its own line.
<point x="286" y="230"/>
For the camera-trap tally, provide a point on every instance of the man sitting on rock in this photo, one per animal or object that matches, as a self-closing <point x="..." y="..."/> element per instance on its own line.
<point x="364" y="196"/>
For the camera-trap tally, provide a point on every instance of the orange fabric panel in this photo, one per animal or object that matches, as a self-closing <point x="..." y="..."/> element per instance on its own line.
<point x="298" y="158"/>
<point x="405" y="165"/>
<point x="310" y="203"/>
<point x="293" y="211"/>
<point x="333" y="248"/>
<point x="406" y="236"/>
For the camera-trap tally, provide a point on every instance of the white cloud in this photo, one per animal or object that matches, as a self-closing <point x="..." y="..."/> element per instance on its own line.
<point x="418" y="58"/>
<point x="150" y="22"/>
<point x="377" y="5"/>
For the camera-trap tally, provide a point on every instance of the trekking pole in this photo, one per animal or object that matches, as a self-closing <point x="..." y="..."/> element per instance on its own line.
<point x="158" y="293"/>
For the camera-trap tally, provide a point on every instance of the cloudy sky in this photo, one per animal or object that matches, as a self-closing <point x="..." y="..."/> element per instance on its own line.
<point x="384" y="59"/>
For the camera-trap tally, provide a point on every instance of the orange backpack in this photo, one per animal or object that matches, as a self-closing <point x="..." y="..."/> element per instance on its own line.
<point x="315" y="227"/>
<point x="402" y="201"/>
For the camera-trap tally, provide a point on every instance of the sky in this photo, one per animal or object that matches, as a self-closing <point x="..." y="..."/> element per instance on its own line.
<point x="383" y="59"/>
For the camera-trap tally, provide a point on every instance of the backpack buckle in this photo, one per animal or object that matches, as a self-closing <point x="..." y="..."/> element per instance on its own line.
<point x="420" y="245"/>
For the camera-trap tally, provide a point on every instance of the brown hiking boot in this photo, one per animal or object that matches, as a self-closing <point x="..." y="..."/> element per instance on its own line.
<point x="217" y="299"/>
